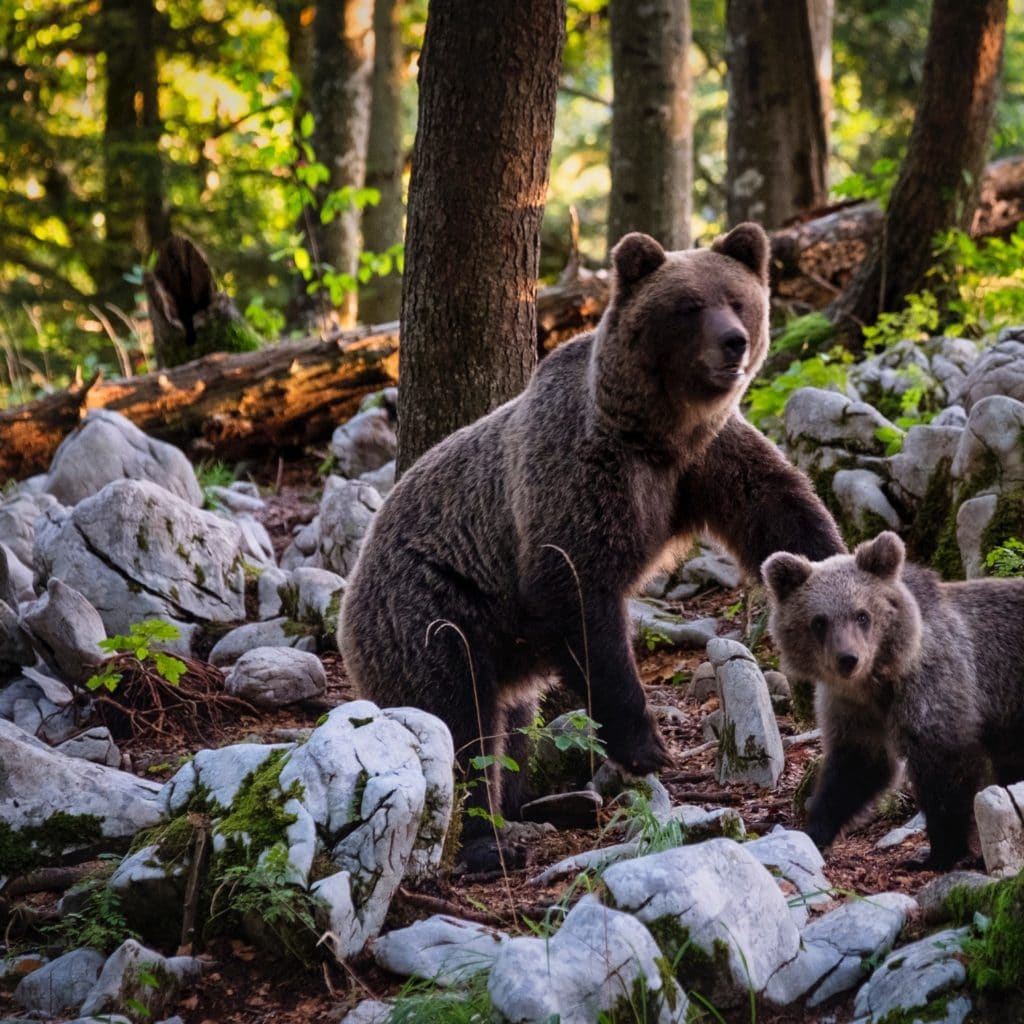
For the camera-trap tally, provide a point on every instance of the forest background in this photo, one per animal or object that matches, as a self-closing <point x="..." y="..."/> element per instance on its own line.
<point x="270" y="135"/>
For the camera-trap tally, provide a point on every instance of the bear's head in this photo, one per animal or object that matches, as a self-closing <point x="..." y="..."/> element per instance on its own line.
<point x="684" y="330"/>
<point x="849" y="621"/>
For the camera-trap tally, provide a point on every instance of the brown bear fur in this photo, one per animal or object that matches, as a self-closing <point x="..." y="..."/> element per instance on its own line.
<point x="506" y="553"/>
<point x="908" y="665"/>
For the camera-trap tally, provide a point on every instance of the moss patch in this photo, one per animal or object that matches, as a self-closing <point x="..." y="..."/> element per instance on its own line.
<point x="995" y="953"/>
<point x="22" y="851"/>
<point x="935" y="1010"/>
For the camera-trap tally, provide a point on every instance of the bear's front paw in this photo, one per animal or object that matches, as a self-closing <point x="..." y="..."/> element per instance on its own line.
<point x="822" y="833"/>
<point x="640" y="749"/>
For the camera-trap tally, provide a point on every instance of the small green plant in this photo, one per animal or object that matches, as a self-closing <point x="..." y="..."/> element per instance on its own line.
<point x="423" y="1002"/>
<point x="916" y="321"/>
<point x="995" y="949"/>
<point x="138" y="644"/>
<point x="210" y="474"/>
<point x="804" y="335"/>
<point x="766" y="400"/>
<point x="100" y="924"/>
<point x="1007" y="560"/>
<point x="652" y="639"/>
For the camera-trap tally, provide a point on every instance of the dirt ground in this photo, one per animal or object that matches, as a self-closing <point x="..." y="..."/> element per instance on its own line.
<point x="244" y="986"/>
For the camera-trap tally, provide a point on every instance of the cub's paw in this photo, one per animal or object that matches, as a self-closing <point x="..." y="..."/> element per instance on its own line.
<point x="640" y="749"/>
<point x="486" y="855"/>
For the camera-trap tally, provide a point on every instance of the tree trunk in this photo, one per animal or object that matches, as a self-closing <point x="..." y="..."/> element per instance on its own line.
<point x="652" y="139"/>
<point x="342" y="68"/>
<point x="380" y="298"/>
<point x="488" y="83"/>
<point x="821" y="14"/>
<point x="940" y="176"/>
<point x="135" y="209"/>
<point x="777" y="150"/>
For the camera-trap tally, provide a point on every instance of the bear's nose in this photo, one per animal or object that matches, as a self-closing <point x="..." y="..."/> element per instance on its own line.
<point x="847" y="663"/>
<point x="734" y="344"/>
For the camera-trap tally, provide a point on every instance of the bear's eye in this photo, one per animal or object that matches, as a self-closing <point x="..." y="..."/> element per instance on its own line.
<point x="737" y="307"/>
<point x="690" y="307"/>
<point x="819" y="626"/>
<point x="862" y="619"/>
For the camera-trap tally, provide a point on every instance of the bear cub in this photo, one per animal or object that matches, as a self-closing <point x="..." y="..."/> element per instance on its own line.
<point x="505" y="555"/>
<point x="908" y="666"/>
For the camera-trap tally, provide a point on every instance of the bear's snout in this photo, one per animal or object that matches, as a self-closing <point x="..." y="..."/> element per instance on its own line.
<point x="847" y="663"/>
<point x="728" y="339"/>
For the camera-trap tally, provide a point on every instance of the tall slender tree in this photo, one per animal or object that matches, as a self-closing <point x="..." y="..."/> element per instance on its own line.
<point x="136" y="212"/>
<point x="938" y="182"/>
<point x="652" y="141"/>
<point x="380" y="299"/>
<point x="340" y="100"/>
<point x="488" y="83"/>
<point x="777" y="149"/>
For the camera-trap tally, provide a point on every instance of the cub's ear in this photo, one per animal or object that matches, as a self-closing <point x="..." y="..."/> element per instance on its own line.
<point x="636" y="256"/>
<point x="882" y="556"/>
<point x="784" y="573"/>
<point x="749" y="244"/>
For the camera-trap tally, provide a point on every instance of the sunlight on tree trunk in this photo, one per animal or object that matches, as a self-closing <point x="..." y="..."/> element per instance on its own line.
<point x="488" y="82"/>
<point x="940" y="176"/>
<point x="652" y="138"/>
<point x="777" y="144"/>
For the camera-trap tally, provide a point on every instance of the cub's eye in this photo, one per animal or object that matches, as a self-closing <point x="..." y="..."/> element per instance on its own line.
<point x="689" y="307"/>
<point x="862" y="619"/>
<point x="737" y="307"/>
<point x="819" y="626"/>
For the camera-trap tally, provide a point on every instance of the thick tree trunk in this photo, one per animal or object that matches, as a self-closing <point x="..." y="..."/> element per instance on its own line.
<point x="380" y="298"/>
<point x="777" y="150"/>
<point x="135" y="209"/>
<point x="821" y="15"/>
<point x="652" y="140"/>
<point x="488" y="83"/>
<point x="342" y="68"/>
<point x="940" y="176"/>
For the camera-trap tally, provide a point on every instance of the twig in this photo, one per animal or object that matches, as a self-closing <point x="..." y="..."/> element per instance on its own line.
<point x="200" y="846"/>
<point x="439" y="906"/>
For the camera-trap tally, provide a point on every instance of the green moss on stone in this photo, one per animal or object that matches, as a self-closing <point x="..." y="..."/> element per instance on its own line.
<point x="1007" y="521"/>
<point x="995" y="955"/>
<point x="935" y="1010"/>
<point x="142" y="537"/>
<point x="25" y="849"/>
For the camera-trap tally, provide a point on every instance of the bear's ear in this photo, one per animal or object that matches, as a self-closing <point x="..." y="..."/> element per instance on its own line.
<point x="636" y="256"/>
<point x="749" y="244"/>
<point x="784" y="573"/>
<point x="882" y="556"/>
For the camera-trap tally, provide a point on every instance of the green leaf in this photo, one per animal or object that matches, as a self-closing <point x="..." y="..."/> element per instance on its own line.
<point x="171" y="668"/>
<point x="306" y="125"/>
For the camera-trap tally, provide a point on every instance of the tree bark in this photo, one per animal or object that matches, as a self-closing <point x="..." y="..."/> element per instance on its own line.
<point x="136" y="214"/>
<point x="342" y="68"/>
<point x="380" y="298"/>
<point x="652" y="139"/>
<point x="940" y="176"/>
<point x="488" y="84"/>
<point x="777" y="148"/>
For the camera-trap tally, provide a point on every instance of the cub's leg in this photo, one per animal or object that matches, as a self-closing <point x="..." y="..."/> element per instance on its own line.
<point x="945" y="780"/>
<point x="514" y="785"/>
<point x="858" y="765"/>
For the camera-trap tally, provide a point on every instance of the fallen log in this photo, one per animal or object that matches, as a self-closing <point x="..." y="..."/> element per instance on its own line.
<point x="226" y="406"/>
<point x="233" y="406"/>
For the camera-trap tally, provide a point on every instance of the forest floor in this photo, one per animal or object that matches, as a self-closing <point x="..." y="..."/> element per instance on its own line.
<point x="245" y="986"/>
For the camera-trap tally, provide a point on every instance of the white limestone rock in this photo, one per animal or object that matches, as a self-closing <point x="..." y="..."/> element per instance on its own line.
<point x="863" y="501"/>
<point x="40" y="705"/>
<point x="18" y="516"/>
<point x="366" y="442"/>
<point x="274" y="677"/>
<point x="94" y="744"/>
<point x="595" y="963"/>
<point x="999" y="812"/>
<point x="107" y="447"/>
<point x="750" y="747"/>
<point x="836" y="947"/>
<point x="654" y="624"/>
<point x="66" y="631"/>
<point x="445" y="950"/>
<point x="272" y="633"/>
<point x="717" y="900"/>
<point x="792" y="857"/>
<point x="36" y="782"/>
<point x="999" y="370"/>
<point x="915" y="975"/>
<point x="346" y="511"/>
<point x="135" y="551"/>
<point x="61" y="984"/>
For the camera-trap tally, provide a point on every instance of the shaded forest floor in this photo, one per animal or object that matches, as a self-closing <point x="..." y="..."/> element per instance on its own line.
<point x="244" y="986"/>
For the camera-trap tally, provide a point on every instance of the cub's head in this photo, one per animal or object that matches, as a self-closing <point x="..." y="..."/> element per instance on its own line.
<point x="696" y="321"/>
<point x="846" y="619"/>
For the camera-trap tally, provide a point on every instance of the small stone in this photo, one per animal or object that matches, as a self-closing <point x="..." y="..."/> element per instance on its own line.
<point x="369" y="1011"/>
<point x="268" y="591"/>
<point x="914" y="827"/>
<point x="654" y="626"/>
<point x="778" y="684"/>
<point x="700" y="824"/>
<point x="381" y="480"/>
<point x="998" y="371"/>
<point x="274" y="677"/>
<point x="61" y="984"/>
<point x="366" y="442"/>
<point x="792" y="856"/>
<point x="932" y="897"/>
<point x="95" y="744"/>
<point x="346" y="511"/>
<point x="704" y="683"/>
<point x="66" y="631"/>
<point x="999" y="812"/>
<point x="589" y="860"/>
<point x="272" y="633"/>
<point x="862" y="501"/>
<point x="712" y="567"/>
